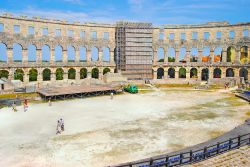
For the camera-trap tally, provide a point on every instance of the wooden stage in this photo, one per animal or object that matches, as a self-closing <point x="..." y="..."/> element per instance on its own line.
<point x="74" y="91"/>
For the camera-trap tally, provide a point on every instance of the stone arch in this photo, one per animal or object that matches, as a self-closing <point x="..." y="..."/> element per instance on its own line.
<point x="71" y="53"/>
<point x="193" y="73"/>
<point x="205" y="54"/>
<point x="106" y="54"/>
<point x="182" y="55"/>
<point x="204" y="74"/>
<point x="83" y="53"/>
<point x="244" y="55"/>
<point x="94" y="54"/>
<point x="218" y="54"/>
<point x="171" y="73"/>
<point x="194" y="55"/>
<point x="171" y="54"/>
<point x="106" y="70"/>
<point x="17" y="52"/>
<point x="83" y="73"/>
<point x="229" y="72"/>
<point x="33" y="73"/>
<point x="59" y="74"/>
<point x="3" y="52"/>
<point x="45" y="53"/>
<point x="18" y="74"/>
<point x="160" y="55"/>
<point x="160" y="73"/>
<point x="4" y="74"/>
<point x="71" y="73"/>
<point x="217" y="73"/>
<point x="46" y="74"/>
<point x="58" y="53"/>
<point x="231" y="54"/>
<point x="32" y="53"/>
<point x="243" y="73"/>
<point x="182" y="72"/>
<point x="95" y="73"/>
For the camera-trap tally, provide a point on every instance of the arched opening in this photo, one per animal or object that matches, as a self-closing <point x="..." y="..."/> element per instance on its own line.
<point x="4" y="74"/>
<point x="45" y="53"/>
<point x="182" y="56"/>
<point x="83" y="73"/>
<point x="229" y="72"/>
<point x="193" y="73"/>
<point x="106" y="70"/>
<point x="71" y="73"/>
<point x="17" y="52"/>
<point x="231" y="53"/>
<point x="171" y="55"/>
<point x="106" y="54"/>
<point x="18" y="75"/>
<point x="194" y="55"/>
<point x="95" y="73"/>
<point x="58" y="53"/>
<point x="205" y="54"/>
<point x="71" y="53"/>
<point x="205" y="74"/>
<point x="171" y="73"/>
<point x="182" y="73"/>
<point x="46" y="74"/>
<point x="244" y="55"/>
<point x="83" y="51"/>
<point x="160" y="73"/>
<point x="244" y="73"/>
<point x="59" y="74"/>
<point x="3" y="53"/>
<point x="33" y="75"/>
<point x="94" y="54"/>
<point x="31" y="53"/>
<point x="160" y="55"/>
<point x="218" y="54"/>
<point x="217" y="73"/>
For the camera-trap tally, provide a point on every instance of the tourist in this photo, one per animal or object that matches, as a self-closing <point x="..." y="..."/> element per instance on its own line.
<point x="14" y="107"/>
<point x="58" y="127"/>
<point x="25" y="105"/>
<point x="62" y="124"/>
<point x="50" y="104"/>
<point x="111" y="95"/>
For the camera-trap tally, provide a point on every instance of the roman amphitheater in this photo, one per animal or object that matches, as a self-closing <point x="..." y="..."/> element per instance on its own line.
<point x="41" y="51"/>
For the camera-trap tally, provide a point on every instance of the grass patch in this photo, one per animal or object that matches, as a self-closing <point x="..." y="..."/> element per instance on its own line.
<point x="18" y="95"/>
<point x="173" y="85"/>
<point x="248" y="113"/>
<point x="214" y="133"/>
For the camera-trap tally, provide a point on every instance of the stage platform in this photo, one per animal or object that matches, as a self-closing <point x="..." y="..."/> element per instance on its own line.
<point x="69" y="92"/>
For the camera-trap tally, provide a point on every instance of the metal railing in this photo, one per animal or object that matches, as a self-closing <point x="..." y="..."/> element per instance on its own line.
<point x="193" y="156"/>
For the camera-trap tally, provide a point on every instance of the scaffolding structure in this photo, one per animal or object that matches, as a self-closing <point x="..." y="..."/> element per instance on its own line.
<point x="134" y="54"/>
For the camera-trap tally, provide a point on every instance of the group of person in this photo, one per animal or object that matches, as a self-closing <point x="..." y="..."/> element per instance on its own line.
<point x="25" y="106"/>
<point x="60" y="126"/>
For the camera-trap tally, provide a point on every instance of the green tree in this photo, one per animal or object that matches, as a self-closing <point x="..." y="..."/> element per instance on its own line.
<point x="4" y="74"/>
<point x="46" y="74"/>
<point x="182" y="73"/>
<point x="95" y="73"/>
<point x="72" y="73"/>
<point x="83" y="73"/>
<point x="18" y="75"/>
<point x="171" y="59"/>
<point x="33" y="75"/>
<point x="59" y="74"/>
<point x="106" y="70"/>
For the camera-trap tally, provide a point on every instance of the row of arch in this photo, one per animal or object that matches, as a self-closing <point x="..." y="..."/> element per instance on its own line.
<point x="59" y="74"/>
<point x="17" y="54"/>
<point x="204" y="73"/>
<point x="194" y="54"/>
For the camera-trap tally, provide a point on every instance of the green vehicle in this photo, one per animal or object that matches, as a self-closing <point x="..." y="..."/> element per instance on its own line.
<point x="131" y="89"/>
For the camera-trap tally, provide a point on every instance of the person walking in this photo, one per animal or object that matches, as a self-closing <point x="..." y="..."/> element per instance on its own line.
<point x="14" y="107"/>
<point x="58" y="127"/>
<point x="111" y="96"/>
<point x="25" y="105"/>
<point x="50" y="104"/>
<point x="62" y="124"/>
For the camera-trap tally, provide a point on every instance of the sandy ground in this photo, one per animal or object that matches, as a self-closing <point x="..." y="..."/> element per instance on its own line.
<point x="100" y="131"/>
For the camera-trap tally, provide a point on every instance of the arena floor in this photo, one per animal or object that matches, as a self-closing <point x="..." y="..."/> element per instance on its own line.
<point x="100" y="131"/>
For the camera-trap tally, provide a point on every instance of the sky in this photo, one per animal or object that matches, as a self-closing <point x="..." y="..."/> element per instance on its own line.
<point x="158" y="12"/>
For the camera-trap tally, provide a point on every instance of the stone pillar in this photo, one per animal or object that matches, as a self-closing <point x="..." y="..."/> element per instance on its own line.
<point x="100" y="55"/>
<point x="165" y="73"/>
<point x="52" y="56"/>
<point x="224" y="56"/>
<point x="11" y="74"/>
<point x="77" y="59"/>
<point x="26" y="77"/>
<point x="187" y="73"/>
<point x="155" y="57"/>
<point x="39" y="75"/>
<point x="199" y="73"/>
<point x="223" y="72"/>
<point x="9" y="55"/>
<point x="188" y="56"/>
<point x="165" y="56"/>
<point x="53" y="76"/>
<point x="88" y="54"/>
<point x="177" y="56"/>
<point x="155" y="74"/>
<point x="38" y="56"/>
<point x="237" y="56"/>
<point x="211" y="72"/>
<point x="112" y="57"/>
<point x="211" y="56"/>
<point x="65" y="58"/>
<point x="236" y="72"/>
<point x="89" y="70"/>
<point x="248" y="52"/>
<point x="25" y="56"/>
<point x="65" y="74"/>
<point x="177" y="73"/>
<point x="77" y="74"/>
<point x="199" y="55"/>
<point x="100" y="73"/>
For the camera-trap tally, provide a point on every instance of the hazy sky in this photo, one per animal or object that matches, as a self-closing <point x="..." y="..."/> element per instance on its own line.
<point x="155" y="11"/>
